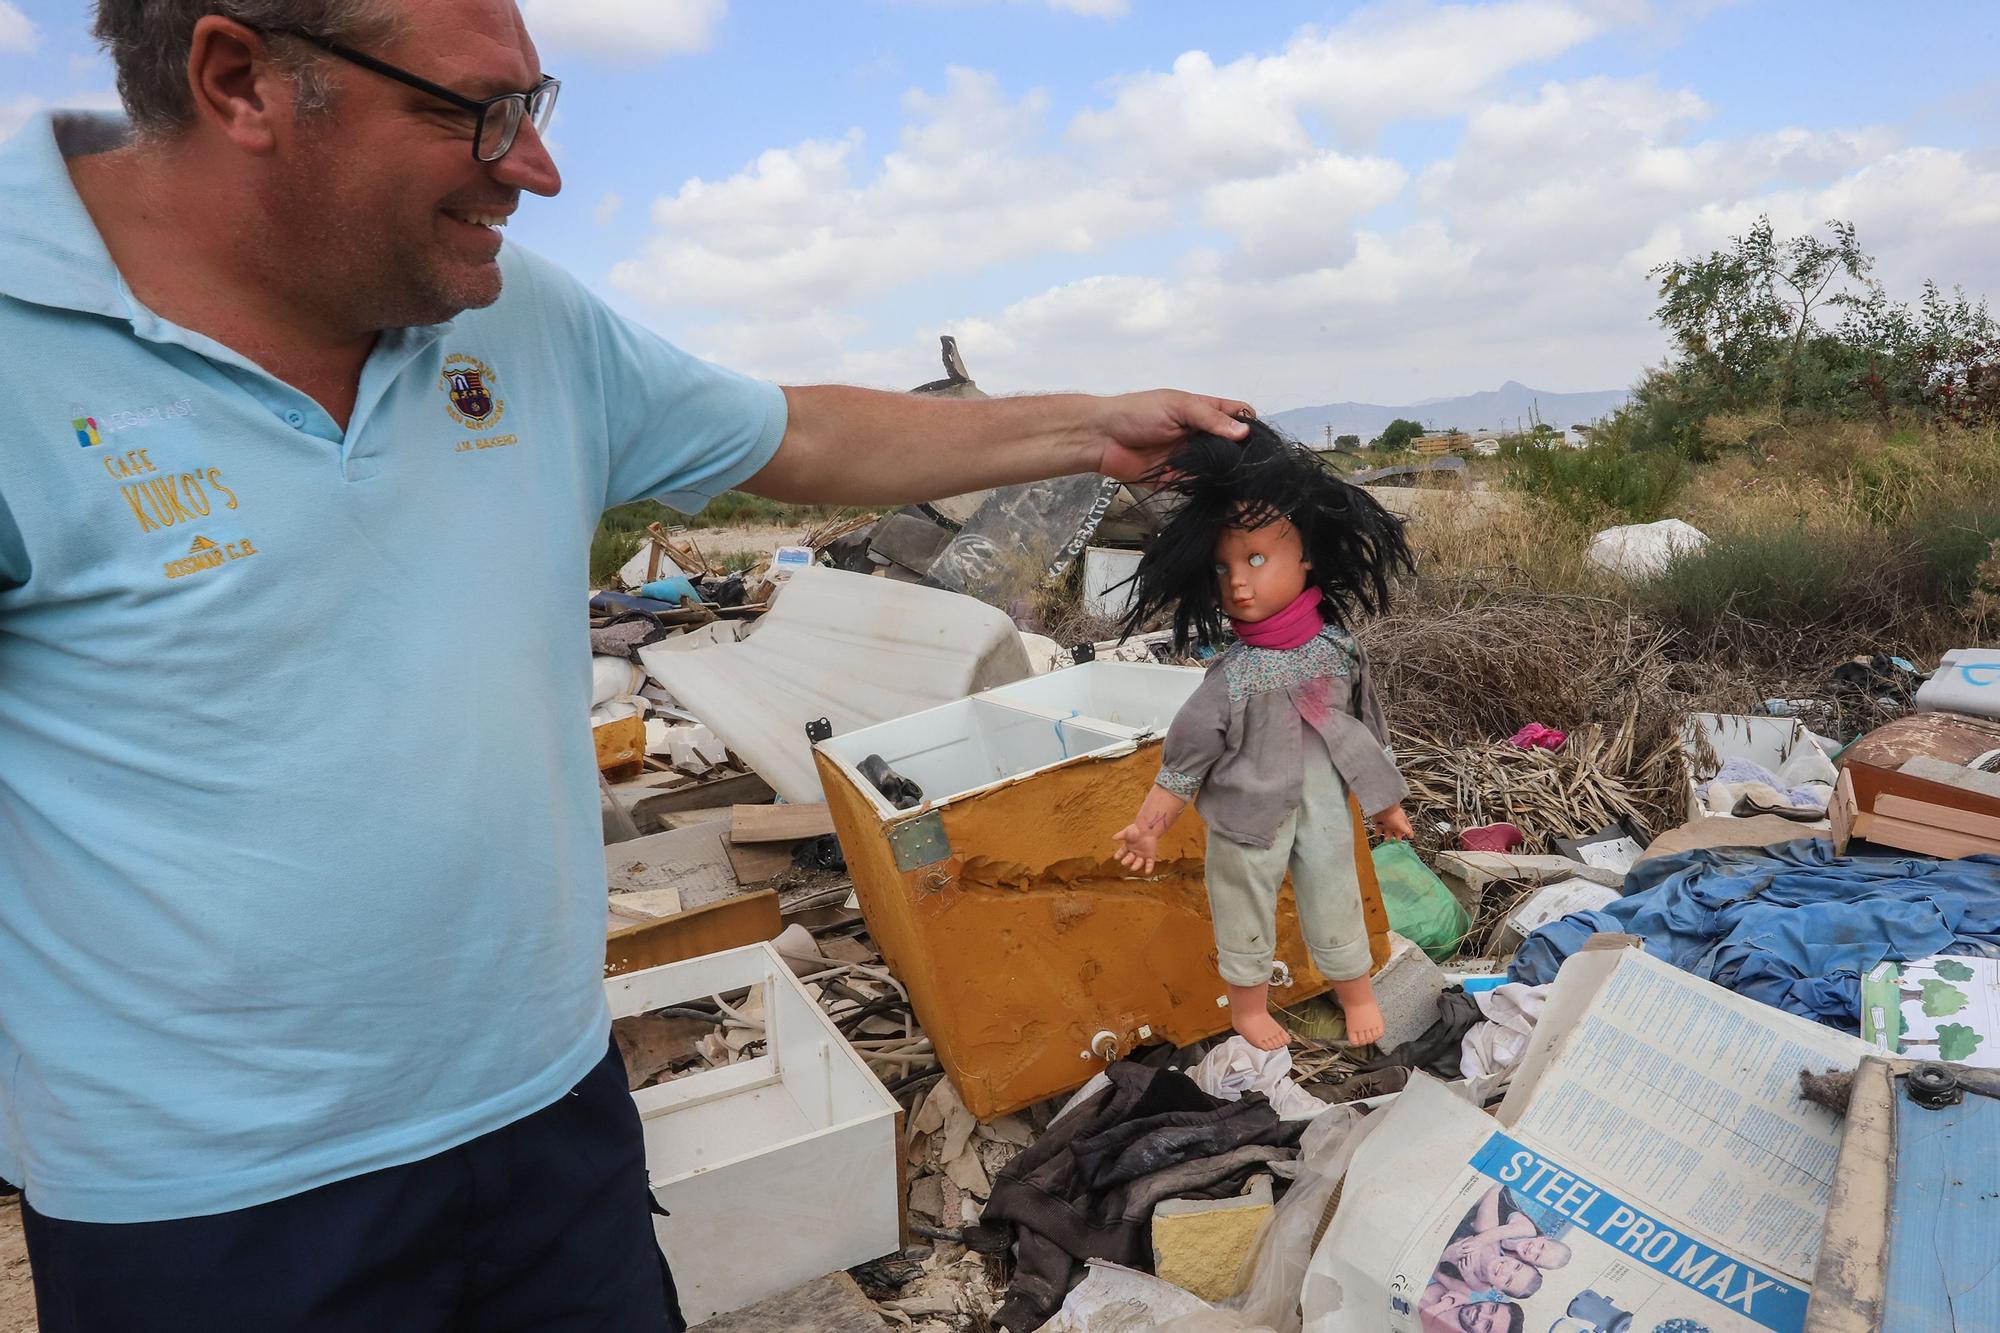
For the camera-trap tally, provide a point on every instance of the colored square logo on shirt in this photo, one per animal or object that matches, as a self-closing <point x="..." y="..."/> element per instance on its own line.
<point x="86" y="431"/>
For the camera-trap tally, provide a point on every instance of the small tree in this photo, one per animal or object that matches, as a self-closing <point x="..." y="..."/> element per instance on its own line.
<point x="1347" y="441"/>
<point x="1396" y="436"/>
<point x="1745" y="317"/>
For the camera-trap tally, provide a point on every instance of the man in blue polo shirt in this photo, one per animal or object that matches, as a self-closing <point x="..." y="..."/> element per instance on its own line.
<point x="301" y="887"/>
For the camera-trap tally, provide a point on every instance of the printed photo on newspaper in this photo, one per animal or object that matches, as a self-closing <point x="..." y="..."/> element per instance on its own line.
<point x="1657" y="1173"/>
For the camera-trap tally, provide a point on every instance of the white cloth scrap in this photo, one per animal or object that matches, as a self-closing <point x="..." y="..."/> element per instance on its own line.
<point x="1498" y="1044"/>
<point x="1236" y="1067"/>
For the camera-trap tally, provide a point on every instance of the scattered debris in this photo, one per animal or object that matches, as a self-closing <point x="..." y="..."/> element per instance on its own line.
<point x="842" y="647"/>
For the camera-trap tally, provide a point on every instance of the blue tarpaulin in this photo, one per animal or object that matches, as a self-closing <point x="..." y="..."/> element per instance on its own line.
<point x="1792" y="926"/>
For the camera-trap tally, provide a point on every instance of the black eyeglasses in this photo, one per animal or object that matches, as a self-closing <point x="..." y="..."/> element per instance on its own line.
<point x="495" y="120"/>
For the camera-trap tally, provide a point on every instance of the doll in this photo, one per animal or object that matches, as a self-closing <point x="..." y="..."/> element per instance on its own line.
<point x="1283" y="743"/>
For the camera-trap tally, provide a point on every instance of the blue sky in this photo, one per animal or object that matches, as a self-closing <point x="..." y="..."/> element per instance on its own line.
<point x="1288" y="202"/>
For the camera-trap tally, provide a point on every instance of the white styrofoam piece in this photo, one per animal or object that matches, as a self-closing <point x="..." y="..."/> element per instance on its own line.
<point x="847" y="647"/>
<point x="1967" y="681"/>
<point x="1107" y="571"/>
<point x="773" y="1170"/>
<point x="1781" y="744"/>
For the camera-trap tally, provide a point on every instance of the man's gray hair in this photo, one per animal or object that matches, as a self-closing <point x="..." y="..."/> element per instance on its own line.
<point x="149" y="42"/>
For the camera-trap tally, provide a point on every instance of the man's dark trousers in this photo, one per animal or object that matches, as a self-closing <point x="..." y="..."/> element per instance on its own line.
<point x="544" y="1224"/>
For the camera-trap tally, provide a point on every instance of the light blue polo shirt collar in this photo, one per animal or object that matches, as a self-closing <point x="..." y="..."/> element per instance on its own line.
<point x="52" y="255"/>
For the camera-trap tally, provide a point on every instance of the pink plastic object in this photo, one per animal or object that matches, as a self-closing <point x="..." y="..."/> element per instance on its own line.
<point x="1492" y="838"/>
<point x="1535" y="736"/>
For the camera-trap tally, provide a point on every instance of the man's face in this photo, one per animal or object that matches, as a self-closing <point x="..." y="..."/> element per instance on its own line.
<point x="380" y="199"/>
<point x="1484" y="1317"/>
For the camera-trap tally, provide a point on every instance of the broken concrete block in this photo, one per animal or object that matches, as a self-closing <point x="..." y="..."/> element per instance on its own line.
<point x="1407" y="989"/>
<point x="1200" y="1244"/>
<point x="927" y="1198"/>
<point x="832" y="1304"/>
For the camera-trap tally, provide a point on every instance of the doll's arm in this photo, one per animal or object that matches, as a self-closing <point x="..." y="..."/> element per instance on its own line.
<point x="1139" y="841"/>
<point x="1194" y="742"/>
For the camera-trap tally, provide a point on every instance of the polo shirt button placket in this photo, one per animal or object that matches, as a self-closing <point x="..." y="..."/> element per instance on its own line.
<point x="295" y="418"/>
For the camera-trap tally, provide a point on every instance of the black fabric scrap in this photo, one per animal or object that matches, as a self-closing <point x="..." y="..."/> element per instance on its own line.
<point x="1087" y="1188"/>
<point x="1436" y="1051"/>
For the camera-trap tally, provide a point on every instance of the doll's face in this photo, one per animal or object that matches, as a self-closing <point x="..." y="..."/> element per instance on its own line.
<point x="1261" y="570"/>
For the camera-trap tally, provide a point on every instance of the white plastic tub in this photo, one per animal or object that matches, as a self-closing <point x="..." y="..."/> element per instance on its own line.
<point x="775" y="1170"/>
<point x="1140" y="695"/>
<point x="965" y="746"/>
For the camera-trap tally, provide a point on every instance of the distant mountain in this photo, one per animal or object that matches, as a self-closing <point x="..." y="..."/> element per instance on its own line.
<point x="1512" y="404"/>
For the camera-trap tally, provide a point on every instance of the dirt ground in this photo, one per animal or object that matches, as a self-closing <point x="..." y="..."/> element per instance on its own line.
<point x="17" y="1294"/>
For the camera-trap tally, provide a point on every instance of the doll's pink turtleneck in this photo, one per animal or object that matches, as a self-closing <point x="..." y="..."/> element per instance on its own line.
<point x="1289" y="628"/>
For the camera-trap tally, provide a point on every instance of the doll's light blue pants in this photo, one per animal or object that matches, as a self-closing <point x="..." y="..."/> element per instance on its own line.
<point x="1316" y="843"/>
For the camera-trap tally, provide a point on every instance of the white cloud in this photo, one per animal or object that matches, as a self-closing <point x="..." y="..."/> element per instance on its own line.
<point x="1238" y="234"/>
<point x="17" y="31"/>
<point x="965" y="188"/>
<point x="1298" y="218"/>
<point x="607" y="208"/>
<point x="624" y="29"/>
<point x="1201" y="120"/>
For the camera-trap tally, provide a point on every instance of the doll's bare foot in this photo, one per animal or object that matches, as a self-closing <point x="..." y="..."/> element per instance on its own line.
<point x="1250" y="1015"/>
<point x="1364" y="1015"/>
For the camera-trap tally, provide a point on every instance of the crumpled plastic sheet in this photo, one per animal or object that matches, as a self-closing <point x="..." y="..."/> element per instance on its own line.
<point x="1236" y="1067"/>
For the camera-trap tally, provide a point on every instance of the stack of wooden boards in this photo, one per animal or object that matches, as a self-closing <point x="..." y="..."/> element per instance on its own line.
<point x="1927" y="806"/>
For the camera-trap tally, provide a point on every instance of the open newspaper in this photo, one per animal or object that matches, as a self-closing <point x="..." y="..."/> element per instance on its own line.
<point x="1652" y="1170"/>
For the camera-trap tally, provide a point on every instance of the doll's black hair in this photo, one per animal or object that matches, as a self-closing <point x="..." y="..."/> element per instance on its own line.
<point x="1211" y="483"/>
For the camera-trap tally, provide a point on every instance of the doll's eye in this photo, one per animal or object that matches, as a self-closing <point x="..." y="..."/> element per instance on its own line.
<point x="1221" y="568"/>
<point x="1256" y="562"/>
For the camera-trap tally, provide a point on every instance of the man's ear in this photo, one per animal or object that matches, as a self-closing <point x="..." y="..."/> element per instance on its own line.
<point x="237" y="89"/>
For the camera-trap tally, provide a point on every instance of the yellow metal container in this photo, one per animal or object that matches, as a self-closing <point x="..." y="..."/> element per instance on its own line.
<point x="996" y="900"/>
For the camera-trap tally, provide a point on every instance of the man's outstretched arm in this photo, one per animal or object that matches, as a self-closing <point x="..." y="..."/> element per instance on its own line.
<point x="865" y="446"/>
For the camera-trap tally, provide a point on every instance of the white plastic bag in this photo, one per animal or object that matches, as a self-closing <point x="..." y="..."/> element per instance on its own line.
<point x="1640" y="551"/>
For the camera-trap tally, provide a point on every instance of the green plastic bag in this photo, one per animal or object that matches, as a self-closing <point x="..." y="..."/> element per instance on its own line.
<point x="1421" y="908"/>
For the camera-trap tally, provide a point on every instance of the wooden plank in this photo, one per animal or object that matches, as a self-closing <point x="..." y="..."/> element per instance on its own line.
<point x="1925" y="812"/>
<point x="779" y="823"/>
<point x="1842" y="811"/>
<point x="729" y="790"/>
<point x="1849" y="1280"/>
<point x="1944" y="843"/>
<point x="707" y="814"/>
<point x="748" y="918"/>
<point x="758" y="861"/>
<point x="621" y="744"/>
<point x="832" y="1304"/>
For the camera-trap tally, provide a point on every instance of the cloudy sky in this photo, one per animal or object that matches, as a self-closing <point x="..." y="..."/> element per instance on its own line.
<point x="1288" y="202"/>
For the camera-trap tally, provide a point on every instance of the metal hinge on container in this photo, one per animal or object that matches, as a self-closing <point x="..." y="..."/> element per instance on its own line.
<point x="920" y="841"/>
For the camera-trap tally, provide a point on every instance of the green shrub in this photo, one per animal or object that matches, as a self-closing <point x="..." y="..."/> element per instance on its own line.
<point x="610" y="548"/>
<point x="1954" y="544"/>
<point x="1790" y="593"/>
<point x="1600" y="482"/>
